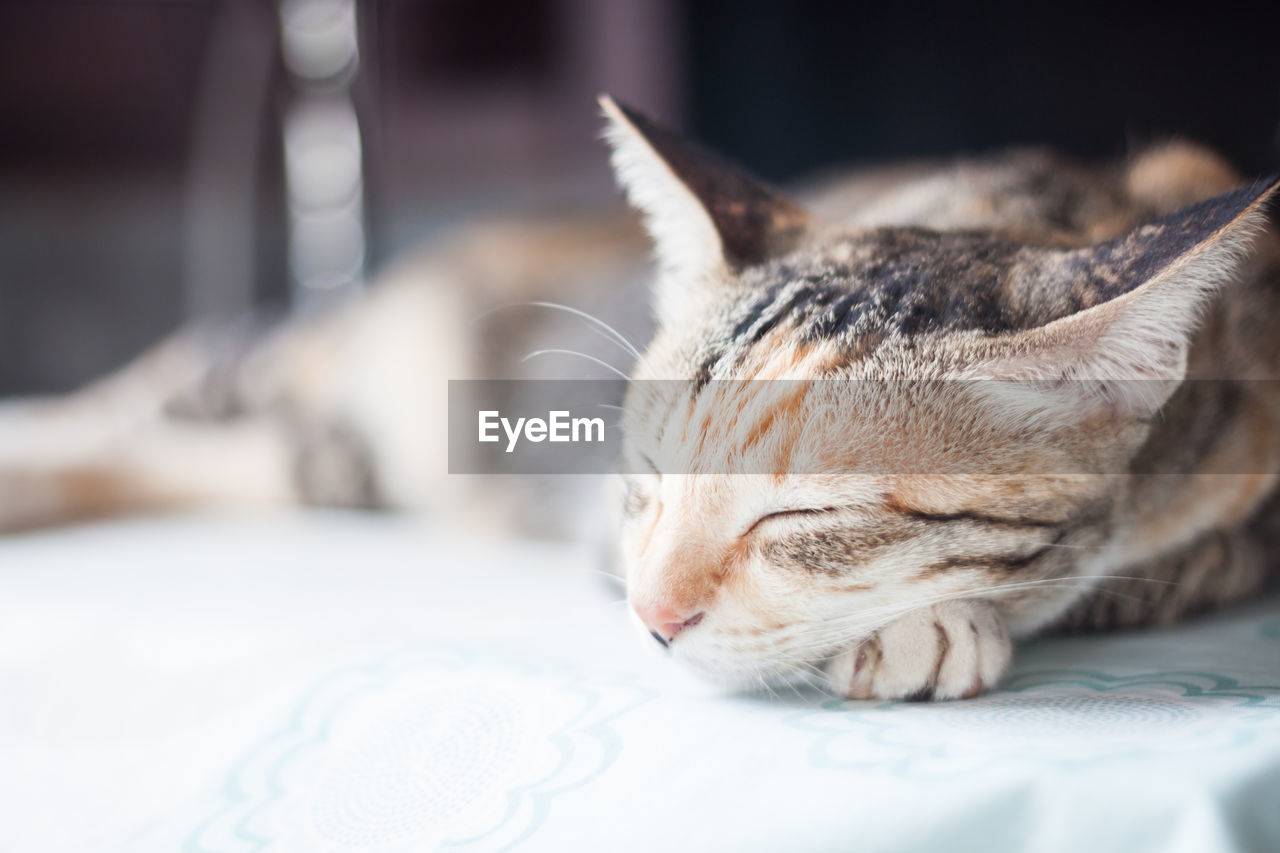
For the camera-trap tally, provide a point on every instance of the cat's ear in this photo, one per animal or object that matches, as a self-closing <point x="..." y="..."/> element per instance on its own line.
<point x="705" y="216"/>
<point x="1138" y="301"/>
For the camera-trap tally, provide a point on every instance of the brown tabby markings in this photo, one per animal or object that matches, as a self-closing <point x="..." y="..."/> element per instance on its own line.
<point x="1026" y="268"/>
<point x="944" y="646"/>
<point x="896" y="505"/>
<point x="994" y="566"/>
<point x="837" y="553"/>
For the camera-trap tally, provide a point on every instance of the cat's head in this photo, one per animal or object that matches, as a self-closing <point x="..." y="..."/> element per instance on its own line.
<point x="832" y="426"/>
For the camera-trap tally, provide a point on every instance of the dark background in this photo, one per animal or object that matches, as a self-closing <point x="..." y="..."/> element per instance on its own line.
<point x="472" y="107"/>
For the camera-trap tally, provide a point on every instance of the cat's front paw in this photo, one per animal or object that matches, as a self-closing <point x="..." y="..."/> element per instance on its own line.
<point x="950" y="650"/>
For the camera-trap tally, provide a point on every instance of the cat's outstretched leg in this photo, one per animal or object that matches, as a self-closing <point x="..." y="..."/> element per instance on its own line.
<point x="165" y="467"/>
<point x="53" y="431"/>
<point x="114" y="447"/>
<point x="949" y="650"/>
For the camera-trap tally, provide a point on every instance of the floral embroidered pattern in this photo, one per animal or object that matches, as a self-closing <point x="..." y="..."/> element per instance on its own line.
<point x="425" y="749"/>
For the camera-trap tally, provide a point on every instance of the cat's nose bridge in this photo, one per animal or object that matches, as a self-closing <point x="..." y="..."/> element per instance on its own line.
<point x="677" y="587"/>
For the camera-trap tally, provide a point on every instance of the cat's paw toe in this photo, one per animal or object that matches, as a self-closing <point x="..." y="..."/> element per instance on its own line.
<point x="950" y="650"/>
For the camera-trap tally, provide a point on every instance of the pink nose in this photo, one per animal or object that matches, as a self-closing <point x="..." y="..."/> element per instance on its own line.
<point x="664" y="623"/>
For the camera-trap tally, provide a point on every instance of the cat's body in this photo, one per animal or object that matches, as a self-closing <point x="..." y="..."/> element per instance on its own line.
<point x="902" y="584"/>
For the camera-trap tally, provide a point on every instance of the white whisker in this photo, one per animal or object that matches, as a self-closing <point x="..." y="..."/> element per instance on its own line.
<point x="598" y="361"/>
<point x="613" y="333"/>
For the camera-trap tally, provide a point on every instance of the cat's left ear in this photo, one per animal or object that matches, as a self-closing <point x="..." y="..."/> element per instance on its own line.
<point x="1136" y="303"/>
<point x="707" y="218"/>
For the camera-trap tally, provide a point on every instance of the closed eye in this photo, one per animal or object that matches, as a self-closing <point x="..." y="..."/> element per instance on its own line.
<point x="790" y="513"/>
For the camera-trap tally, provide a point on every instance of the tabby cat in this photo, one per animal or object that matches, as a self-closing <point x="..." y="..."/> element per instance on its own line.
<point x="1083" y="288"/>
<point x="1057" y="313"/>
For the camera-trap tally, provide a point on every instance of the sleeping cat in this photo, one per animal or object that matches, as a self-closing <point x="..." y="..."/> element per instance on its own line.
<point x="1050" y="315"/>
<point x="1053" y="312"/>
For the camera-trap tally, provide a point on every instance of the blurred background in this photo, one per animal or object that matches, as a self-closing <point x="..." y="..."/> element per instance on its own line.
<point x="168" y="160"/>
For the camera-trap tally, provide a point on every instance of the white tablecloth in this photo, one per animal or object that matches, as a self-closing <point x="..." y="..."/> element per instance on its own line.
<point x="344" y="683"/>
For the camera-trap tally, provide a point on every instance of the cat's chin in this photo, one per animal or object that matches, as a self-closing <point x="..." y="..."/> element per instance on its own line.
<point x="747" y="675"/>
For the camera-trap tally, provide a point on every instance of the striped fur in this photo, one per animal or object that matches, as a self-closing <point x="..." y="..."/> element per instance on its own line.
<point x="892" y="535"/>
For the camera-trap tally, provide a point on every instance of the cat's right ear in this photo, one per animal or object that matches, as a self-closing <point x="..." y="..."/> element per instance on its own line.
<point x="707" y="218"/>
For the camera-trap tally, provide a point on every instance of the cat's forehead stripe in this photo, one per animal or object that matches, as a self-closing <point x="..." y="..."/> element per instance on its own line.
<point x="909" y="281"/>
<point x="899" y="282"/>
